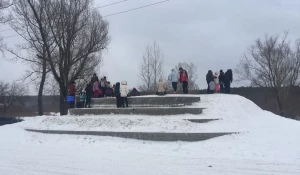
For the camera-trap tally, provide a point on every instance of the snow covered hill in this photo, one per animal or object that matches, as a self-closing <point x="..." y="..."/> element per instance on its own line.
<point x="267" y="144"/>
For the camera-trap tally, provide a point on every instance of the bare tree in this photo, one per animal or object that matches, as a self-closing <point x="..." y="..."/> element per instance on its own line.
<point x="72" y="32"/>
<point x="4" y="4"/>
<point x="192" y="73"/>
<point x="146" y="72"/>
<point x="11" y="94"/>
<point x="271" y="63"/>
<point x="151" y="67"/>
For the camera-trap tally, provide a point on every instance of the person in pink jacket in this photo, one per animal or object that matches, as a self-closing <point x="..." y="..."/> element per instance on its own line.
<point x="216" y="79"/>
<point x="96" y="89"/>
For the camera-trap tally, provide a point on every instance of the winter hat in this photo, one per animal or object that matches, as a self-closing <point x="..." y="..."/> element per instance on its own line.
<point x="180" y="68"/>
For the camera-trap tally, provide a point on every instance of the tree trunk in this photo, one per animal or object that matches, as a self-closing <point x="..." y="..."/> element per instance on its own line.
<point x="41" y="88"/>
<point x="63" y="105"/>
<point x="279" y="105"/>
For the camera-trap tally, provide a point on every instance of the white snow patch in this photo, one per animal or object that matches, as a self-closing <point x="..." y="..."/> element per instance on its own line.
<point x="268" y="144"/>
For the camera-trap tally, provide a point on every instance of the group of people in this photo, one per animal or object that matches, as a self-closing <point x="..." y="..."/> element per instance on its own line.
<point x="100" y="89"/>
<point x="219" y="82"/>
<point x="81" y="98"/>
<point x="175" y="78"/>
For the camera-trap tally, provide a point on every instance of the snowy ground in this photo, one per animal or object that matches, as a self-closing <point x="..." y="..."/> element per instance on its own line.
<point x="267" y="144"/>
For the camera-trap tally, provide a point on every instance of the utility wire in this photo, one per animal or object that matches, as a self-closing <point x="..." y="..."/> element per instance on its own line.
<point x="135" y="8"/>
<point x="96" y="7"/>
<point x="5" y="30"/>
<point x="111" y="4"/>
<point x="118" y="2"/>
<point x="10" y="36"/>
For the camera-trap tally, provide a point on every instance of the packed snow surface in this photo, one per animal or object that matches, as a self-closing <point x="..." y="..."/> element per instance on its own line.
<point x="267" y="144"/>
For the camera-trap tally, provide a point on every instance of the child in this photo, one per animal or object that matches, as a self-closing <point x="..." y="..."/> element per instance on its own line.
<point x="96" y="89"/>
<point x="82" y="98"/>
<point x="216" y="79"/>
<point x="77" y="99"/>
<point x="109" y="92"/>
<point x="161" y="87"/>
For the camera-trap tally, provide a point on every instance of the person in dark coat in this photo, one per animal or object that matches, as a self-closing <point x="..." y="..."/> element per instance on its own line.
<point x="118" y="94"/>
<point x="209" y="78"/>
<point x="72" y="92"/>
<point x="134" y="92"/>
<point x="94" y="78"/>
<point x="109" y="92"/>
<point x="89" y="94"/>
<point x="228" y="80"/>
<point x="221" y="81"/>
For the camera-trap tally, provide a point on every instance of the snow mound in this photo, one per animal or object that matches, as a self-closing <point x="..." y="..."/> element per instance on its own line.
<point x="267" y="144"/>
<point x="236" y="114"/>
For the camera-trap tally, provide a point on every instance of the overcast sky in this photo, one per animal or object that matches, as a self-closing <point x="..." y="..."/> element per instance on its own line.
<point x="213" y="34"/>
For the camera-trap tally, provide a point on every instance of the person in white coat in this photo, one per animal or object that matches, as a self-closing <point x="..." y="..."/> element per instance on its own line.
<point x="216" y="79"/>
<point x="124" y="93"/>
<point x="173" y="77"/>
<point x="161" y="89"/>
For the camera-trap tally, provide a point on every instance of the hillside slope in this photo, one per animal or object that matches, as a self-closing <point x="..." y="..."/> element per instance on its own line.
<point x="267" y="144"/>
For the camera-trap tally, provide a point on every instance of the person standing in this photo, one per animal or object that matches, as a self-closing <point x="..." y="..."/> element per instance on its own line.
<point x="216" y="79"/>
<point x="103" y="85"/>
<point x="209" y="79"/>
<point x="118" y="94"/>
<point x="82" y="95"/>
<point x="173" y="77"/>
<point x="228" y="80"/>
<point x="94" y="78"/>
<point x="72" y="92"/>
<point x="124" y="93"/>
<point x="96" y="89"/>
<point x="89" y="94"/>
<point x="221" y="81"/>
<point x="183" y="78"/>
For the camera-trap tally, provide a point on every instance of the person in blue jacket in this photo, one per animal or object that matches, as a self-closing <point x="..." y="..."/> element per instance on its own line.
<point x="173" y="77"/>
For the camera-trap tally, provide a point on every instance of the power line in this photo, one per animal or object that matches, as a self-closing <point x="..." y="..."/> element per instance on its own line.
<point x="135" y="8"/>
<point x="10" y="36"/>
<point x="118" y="2"/>
<point x="111" y="4"/>
<point x="96" y="7"/>
<point x="6" y="30"/>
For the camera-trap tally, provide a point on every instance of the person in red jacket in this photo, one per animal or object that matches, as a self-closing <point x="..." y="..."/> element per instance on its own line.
<point x="72" y="92"/>
<point x="183" y="78"/>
